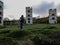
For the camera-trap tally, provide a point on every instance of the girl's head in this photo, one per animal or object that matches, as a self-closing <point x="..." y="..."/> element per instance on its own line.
<point x="22" y="16"/>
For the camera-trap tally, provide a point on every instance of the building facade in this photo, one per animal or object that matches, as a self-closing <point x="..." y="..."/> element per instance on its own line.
<point x="29" y="19"/>
<point x="52" y="16"/>
<point x="1" y="13"/>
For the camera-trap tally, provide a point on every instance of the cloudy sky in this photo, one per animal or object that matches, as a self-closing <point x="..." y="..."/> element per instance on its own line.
<point x="13" y="9"/>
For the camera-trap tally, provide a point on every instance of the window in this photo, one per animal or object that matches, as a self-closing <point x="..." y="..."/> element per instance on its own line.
<point x="0" y="13"/>
<point x="53" y="18"/>
<point x="0" y="18"/>
<point x="0" y="21"/>
<point x="28" y="15"/>
<point x="28" y="10"/>
<point x="0" y="7"/>
<point x="28" y="18"/>
<point x="28" y="21"/>
<point x="53" y="14"/>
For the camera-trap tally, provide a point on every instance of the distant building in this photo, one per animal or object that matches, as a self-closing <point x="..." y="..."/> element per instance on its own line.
<point x="1" y="13"/>
<point x="29" y="19"/>
<point x="52" y="16"/>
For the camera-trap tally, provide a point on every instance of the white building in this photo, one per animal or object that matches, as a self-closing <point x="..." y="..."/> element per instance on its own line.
<point x="29" y="19"/>
<point x="52" y="16"/>
<point x="1" y="13"/>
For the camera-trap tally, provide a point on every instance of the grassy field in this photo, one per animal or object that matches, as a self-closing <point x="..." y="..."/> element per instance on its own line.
<point x="48" y="31"/>
<point x="32" y="28"/>
<point x="28" y="27"/>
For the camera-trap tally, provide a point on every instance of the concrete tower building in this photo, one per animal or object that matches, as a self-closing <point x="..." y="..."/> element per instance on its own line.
<point x="1" y="13"/>
<point x="52" y="16"/>
<point x="29" y="19"/>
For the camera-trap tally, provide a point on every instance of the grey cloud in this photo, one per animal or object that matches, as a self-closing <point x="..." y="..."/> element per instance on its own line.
<point x="43" y="8"/>
<point x="58" y="7"/>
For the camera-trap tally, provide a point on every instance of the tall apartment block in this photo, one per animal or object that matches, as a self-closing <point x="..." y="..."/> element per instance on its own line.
<point x="1" y="13"/>
<point x="52" y="16"/>
<point x="29" y="19"/>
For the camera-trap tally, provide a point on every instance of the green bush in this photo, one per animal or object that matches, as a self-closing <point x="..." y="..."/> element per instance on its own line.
<point x="45" y="41"/>
<point x="4" y="31"/>
<point x="19" y="34"/>
<point x="54" y="35"/>
<point x="1" y="27"/>
<point x="8" y="41"/>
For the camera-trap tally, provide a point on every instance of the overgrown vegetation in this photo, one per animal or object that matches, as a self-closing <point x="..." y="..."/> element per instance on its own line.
<point x="7" y="41"/>
<point x="1" y="27"/>
<point x="48" y="34"/>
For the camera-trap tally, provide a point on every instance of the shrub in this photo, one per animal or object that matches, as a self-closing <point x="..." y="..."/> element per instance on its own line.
<point x="8" y="41"/>
<point x="1" y="27"/>
<point x="45" y="41"/>
<point x="19" y="34"/>
<point x="54" y="35"/>
<point x="4" y="31"/>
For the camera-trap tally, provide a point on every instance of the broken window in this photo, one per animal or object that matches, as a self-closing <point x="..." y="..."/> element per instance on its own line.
<point x="28" y="18"/>
<point x="53" y="14"/>
<point x="53" y="18"/>
<point x="0" y="13"/>
<point x="28" y="11"/>
<point x="0" y="21"/>
<point x="0" y="7"/>
<point x="28" y="21"/>
<point x="28" y="15"/>
<point x="0" y="18"/>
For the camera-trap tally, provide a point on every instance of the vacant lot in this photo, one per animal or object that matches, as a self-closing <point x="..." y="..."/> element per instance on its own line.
<point x="49" y="32"/>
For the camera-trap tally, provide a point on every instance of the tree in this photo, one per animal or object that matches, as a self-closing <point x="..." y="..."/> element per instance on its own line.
<point x="6" y="19"/>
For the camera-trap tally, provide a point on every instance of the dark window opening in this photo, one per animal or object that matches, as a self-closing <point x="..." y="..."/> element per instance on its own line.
<point x="0" y="18"/>
<point x="0" y="13"/>
<point x="28" y="18"/>
<point x="28" y="15"/>
<point x="53" y="14"/>
<point x="0" y="7"/>
<point x="28" y="21"/>
<point x="0" y="21"/>
<point x="28" y="10"/>
<point x="53" y="18"/>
